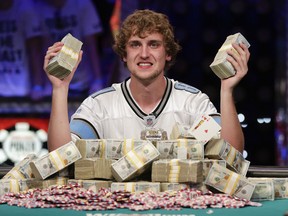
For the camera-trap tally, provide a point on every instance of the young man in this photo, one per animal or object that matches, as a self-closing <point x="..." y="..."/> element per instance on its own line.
<point x="147" y="47"/>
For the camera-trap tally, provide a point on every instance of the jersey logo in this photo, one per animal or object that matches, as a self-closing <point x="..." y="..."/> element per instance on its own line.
<point x="103" y="91"/>
<point x="188" y="88"/>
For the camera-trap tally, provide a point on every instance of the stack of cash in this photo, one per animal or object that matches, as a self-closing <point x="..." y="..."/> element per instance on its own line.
<point x="220" y="149"/>
<point x="281" y="188"/>
<point x="55" y="161"/>
<point x="229" y="182"/>
<point x="63" y="63"/>
<point x="93" y="185"/>
<point x="22" y="169"/>
<point x="220" y="66"/>
<point x="173" y="186"/>
<point x="91" y="168"/>
<point x="9" y="185"/>
<point x="26" y="184"/>
<point x="135" y="162"/>
<point x="154" y="134"/>
<point x="181" y="149"/>
<point x="177" y="170"/>
<point x="264" y="189"/>
<point x="136" y="187"/>
<point x="181" y="131"/>
<point x="208" y="163"/>
<point x="107" y="148"/>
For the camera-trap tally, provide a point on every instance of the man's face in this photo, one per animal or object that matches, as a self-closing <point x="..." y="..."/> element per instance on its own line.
<point x="146" y="57"/>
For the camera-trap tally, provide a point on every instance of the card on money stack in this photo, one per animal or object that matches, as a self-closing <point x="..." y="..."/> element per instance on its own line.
<point x="220" y="66"/>
<point x="63" y="63"/>
<point x="55" y="161"/>
<point x="204" y="128"/>
<point x="177" y="171"/>
<point x="221" y="149"/>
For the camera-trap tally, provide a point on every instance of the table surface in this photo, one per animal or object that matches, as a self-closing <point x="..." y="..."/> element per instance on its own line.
<point x="268" y="208"/>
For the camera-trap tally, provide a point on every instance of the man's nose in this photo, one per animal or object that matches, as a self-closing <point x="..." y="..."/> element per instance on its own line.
<point x="144" y="52"/>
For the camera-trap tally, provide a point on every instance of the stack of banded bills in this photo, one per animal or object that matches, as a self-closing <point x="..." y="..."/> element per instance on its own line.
<point x="264" y="189"/>
<point x="93" y="185"/>
<point x="136" y="187"/>
<point x="181" y="149"/>
<point x="220" y="66"/>
<point x="135" y="162"/>
<point x="172" y="186"/>
<point x="221" y="149"/>
<point x="229" y="182"/>
<point x="208" y="163"/>
<point x="107" y="148"/>
<point x="63" y="63"/>
<point x="93" y="168"/>
<point x="26" y="184"/>
<point x="22" y="169"/>
<point x="177" y="171"/>
<point x="9" y="185"/>
<point x="55" y="161"/>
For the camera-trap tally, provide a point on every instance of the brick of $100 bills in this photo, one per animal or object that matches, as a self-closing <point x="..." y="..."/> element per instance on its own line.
<point x="55" y="161"/>
<point x="63" y="63"/>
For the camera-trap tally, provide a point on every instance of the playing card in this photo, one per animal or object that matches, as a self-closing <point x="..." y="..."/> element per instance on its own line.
<point x="204" y="128"/>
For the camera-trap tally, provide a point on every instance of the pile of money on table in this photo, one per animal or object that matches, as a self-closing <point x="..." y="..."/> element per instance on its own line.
<point x="112" y="173"/>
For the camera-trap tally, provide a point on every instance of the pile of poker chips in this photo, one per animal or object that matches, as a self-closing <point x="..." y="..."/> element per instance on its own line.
<point x="73" y="196"/>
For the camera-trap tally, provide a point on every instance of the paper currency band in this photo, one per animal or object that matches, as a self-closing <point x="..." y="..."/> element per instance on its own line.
<point x="70" y="52"/>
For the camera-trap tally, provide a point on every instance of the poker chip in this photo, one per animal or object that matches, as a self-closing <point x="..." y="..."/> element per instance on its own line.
<point x="75" y="197"/>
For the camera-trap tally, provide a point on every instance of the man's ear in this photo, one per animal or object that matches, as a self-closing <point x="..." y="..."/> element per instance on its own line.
<point x="168" y="58"/>
<point x="124" y="59"/>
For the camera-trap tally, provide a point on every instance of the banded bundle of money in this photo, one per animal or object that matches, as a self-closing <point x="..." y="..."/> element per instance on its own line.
<point x="63" y="63"/>
<point x="9" y="185"/>
<point x="208" y="163"/>
<point x="107" y="148"/>
<point x="220" y="66"/>
<point x="264" y="189"/>
<point x="22" y="170"/>
<point x="181" y="149"/>
<point x="173" y="186"/>
<point x="55" y="161"/>
<point x="221" y="149"/>
<point x="27" y="184"/>
<point x="280" y="188"/>
<point x="93" y="185"/>
<point x="136" y="187"/>
<point x="177" y="170"/>
<point x="92" y="168"/>
<point x="229" y="182"/>
<point x="181" y="131"/>
<point x="135" y="162"/>
<point x="153" y="134"/>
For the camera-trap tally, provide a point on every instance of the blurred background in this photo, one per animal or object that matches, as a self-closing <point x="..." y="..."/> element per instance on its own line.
<point x="201" y="26"/>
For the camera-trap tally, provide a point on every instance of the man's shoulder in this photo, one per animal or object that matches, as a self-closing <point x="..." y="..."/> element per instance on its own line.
<point x="185" y="87"/>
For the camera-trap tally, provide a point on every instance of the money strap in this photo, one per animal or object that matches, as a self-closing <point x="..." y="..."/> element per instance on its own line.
<point x="133" y="158"/>
<point x="174" y="171"/>
<point x="232" y="183"/>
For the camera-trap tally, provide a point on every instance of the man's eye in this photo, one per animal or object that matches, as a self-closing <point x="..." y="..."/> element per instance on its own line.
<point x="154" y="45"/>
<point x="134" y="45"/>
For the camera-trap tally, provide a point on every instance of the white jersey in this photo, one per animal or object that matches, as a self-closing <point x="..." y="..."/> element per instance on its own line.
<point x="113" y="113"/>
<point x="77" y="17"/>
<point x="17" y="24"/>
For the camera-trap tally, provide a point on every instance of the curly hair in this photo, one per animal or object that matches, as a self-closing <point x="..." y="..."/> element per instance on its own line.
<point x="141" y="23"/>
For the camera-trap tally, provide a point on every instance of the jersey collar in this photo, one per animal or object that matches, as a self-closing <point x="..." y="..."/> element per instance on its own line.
<point x="136" y="108"/>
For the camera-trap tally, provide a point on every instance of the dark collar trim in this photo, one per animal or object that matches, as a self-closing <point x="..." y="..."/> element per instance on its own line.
<point x="135" y="107"/>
